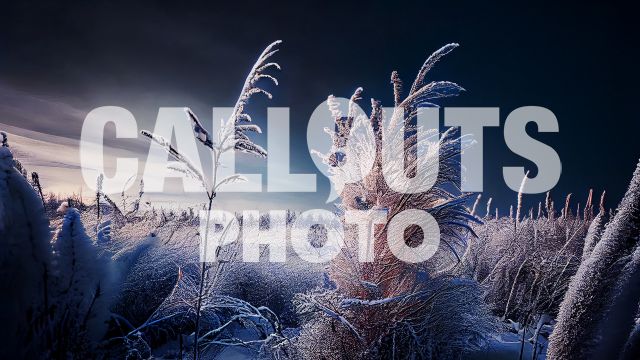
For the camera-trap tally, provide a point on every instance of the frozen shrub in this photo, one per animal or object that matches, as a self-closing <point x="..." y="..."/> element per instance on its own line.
<point x="148" y="274"/>
<point x="160" y="271"/>
<point x="24" y="264"/>
<point x="524" y="262"/>
<point x="83" y="289"/>
<point x="389" y="308"/>
<point x="272" y="284"/>
<point x="632" y="346"/>
<point x="442" y="319"/>
<point x="604" y="288"/>
<point x="618" y="324"/>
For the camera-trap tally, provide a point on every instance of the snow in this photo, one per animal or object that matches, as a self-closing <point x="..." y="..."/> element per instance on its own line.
<point x="507" y="346"/>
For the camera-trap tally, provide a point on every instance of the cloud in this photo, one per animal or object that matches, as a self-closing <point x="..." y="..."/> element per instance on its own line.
<point x="55" y="158"/>
<point x="28" y="111"/>
<point x="44" y="135"/>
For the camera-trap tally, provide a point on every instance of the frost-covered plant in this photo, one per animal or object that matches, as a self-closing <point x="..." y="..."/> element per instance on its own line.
<point x="596" y="228"/>
<point x="232" y="136"/>
<point x="160" y="288"/>
<point x="84" y="289"/>
<point x="525" y="262"/>
<point x="35" y="181"/>
<point x="632" y="346"/>
<point x="272" y="284"/>
<point x="598" y="310"/>
<point x="388" y="308"/>
<point x="114" y="207"/>
<point x="136" y="203"/>
<point x="25" y="267"/>
<point x="228" y="320"/>
<point x="99" y="194"/>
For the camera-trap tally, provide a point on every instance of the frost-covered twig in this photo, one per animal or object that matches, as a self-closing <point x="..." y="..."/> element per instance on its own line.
<point x="35" y="179"/>
<point x="5" y="141"/>
<point x="184" y="164"/>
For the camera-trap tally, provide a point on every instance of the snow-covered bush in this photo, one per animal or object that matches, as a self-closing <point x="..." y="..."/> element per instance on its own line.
<point x="148" y="265"/>
<point x="25" y="269"/>
<point x="598" y="311"/>
<point x="525" y="262"/>
<point x="442" y="319"/>
<point x="389" y="308"/>
<point x="632" y="346"/>
<point x="266" y="283"/>
<point x="158" y="263"/>
<point x="272" y="284"/>
<point x="84" y="289"/>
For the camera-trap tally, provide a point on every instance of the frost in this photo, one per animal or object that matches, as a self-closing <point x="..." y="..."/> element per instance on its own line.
<point x="387" y="308"/>
<point x="24" y="262"/>
<point x="230" y="137"/>
<point x="593" y="289"/>
<point x="84" y="281"/>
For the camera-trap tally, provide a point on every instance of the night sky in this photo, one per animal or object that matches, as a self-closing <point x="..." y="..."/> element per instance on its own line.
<point x="59" y="61"/>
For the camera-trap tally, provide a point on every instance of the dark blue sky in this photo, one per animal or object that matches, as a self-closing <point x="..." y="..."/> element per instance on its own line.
<point x="579" y="60"/>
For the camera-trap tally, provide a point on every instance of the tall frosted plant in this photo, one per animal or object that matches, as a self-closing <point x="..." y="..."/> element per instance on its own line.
<point x="388" y="308"/>
<point x="99" y="181"/>
<point x="24" y="263"/>
<point x="232" y="136"/>
<point x="605" y="287"/>
<point x="84" y="280"/>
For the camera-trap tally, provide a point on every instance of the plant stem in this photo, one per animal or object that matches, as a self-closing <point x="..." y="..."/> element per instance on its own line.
<point x="524" y="332"/>
<point x="203" y="270"/>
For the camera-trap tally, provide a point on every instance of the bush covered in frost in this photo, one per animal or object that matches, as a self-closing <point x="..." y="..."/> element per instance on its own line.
<point x="388" y="308"/>
<point x="25" y="264"/>
<point x="525" y="262"/>
<point x="599" y="311"/>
